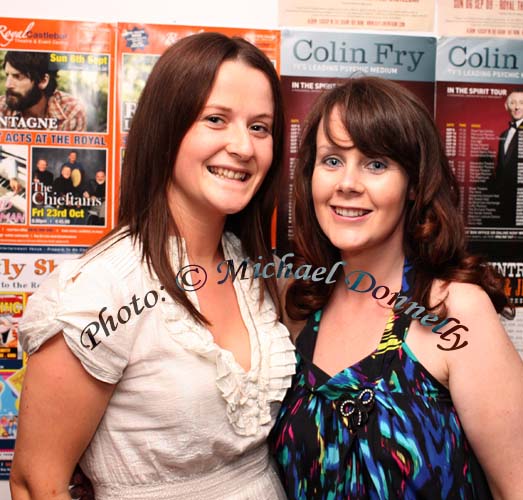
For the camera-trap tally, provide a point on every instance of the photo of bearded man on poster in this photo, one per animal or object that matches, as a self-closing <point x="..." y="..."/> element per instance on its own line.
<point x="31" y="92"/>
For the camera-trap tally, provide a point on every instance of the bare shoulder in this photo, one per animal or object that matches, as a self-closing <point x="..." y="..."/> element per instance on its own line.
<point x="487" y="368"/>
<point x="466" y="298"/>
<point x="470" y="307"/>
<point x="470" y="331"/>
<point x="460" y="297"/>
<point x="466" y="304"/>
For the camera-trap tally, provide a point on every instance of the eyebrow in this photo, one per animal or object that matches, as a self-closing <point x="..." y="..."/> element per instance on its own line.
<point x="226" y="109"/>
<point x="330" y="148"/>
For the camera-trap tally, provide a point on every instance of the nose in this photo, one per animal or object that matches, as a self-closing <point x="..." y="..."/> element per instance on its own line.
<point x="349" y="180"/>
<point x="240" y="142"/>
<point x="9" y="82"/>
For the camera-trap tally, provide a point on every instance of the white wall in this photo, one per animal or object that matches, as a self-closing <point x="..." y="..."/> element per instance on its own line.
<point x="225" y="13"/>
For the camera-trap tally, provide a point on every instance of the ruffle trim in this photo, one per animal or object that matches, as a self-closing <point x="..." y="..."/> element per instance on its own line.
<point x="248" y="395"/>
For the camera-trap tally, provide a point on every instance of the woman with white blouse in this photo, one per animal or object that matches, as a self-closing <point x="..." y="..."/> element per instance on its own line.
<point x="161" y="392"/>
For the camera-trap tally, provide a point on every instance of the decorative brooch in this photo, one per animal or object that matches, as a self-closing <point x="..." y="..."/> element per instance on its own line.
<point x="357" y="410"/>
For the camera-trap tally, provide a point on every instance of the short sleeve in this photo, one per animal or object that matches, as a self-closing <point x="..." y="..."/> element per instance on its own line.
<point x="85" y="302"/>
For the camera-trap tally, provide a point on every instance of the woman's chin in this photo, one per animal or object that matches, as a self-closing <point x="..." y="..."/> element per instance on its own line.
<point x="231" y="207"/>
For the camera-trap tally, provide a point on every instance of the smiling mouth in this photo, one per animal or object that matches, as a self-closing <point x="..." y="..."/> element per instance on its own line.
<point x="225" y="173"/>
<point x="351" y="212"/>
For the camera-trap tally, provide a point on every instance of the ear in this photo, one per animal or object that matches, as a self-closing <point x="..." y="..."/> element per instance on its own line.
<point x="412" y="194"/>
<point x="44" y="82"/>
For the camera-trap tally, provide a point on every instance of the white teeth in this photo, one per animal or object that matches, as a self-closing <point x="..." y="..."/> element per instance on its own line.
<point x="350" y="212"/>
<point x="228" y="174"/>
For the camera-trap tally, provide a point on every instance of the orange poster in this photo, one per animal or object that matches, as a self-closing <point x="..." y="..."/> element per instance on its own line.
<point x="56" y="131"/>
<point x="140" y="45"/>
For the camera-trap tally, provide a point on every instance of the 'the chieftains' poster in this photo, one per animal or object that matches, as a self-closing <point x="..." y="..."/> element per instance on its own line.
<point x="56" y="81"/>
<point x="313" y="62"/>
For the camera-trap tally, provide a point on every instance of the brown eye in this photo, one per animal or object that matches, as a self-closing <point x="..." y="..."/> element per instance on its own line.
<point x="260" y="129"/>
<point x="215" y="120"/>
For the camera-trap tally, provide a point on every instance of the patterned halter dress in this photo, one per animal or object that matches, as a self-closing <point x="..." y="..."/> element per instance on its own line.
<point x="383" y="428"/>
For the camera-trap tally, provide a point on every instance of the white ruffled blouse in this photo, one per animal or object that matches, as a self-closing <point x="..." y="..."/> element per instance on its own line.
<point x="185" y="421"/>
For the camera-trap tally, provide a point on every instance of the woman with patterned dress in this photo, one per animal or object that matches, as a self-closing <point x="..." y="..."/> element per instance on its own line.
<point x="164" y="389"/>
<point x="391" y="400"/>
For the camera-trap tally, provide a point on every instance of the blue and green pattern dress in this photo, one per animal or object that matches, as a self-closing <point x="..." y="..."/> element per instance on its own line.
<point x="383" y="428"/>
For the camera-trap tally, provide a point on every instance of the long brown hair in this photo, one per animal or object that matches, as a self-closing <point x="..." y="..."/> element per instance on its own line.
<point x="384" y="119"/>
<point x="170" y="103"/>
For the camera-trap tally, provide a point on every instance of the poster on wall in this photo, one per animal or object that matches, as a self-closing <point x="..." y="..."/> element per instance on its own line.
<point x="513" y="275"/>
<point x="140" y="46"/>
<point x="312" y="62"/>
<point x="396" y="15"/>
<point x="24" y="267"/>
<point x="10" y="390"/>
<point x="12" y="369"/>
<point x="56" y="131"/>
<point x="514" y="328"/>
<point x="12" y="306"/>
<point x="492" y="18"/>
<point x="479" y="113"/>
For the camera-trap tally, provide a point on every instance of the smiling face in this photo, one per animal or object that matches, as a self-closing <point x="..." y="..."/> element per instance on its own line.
<point x="100" y="177"/>
<point x="514" y="105"/>
<point x="41" y="165"/>
<point x="359" y="201"/>
<point x="225" y="155"/>
<point x="66" y="172"/>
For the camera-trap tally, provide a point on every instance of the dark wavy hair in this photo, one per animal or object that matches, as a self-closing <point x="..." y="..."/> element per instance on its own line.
<point x="34" y="65"/>
<point x="170" y="103"/>
<point x="384" y="119"/>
